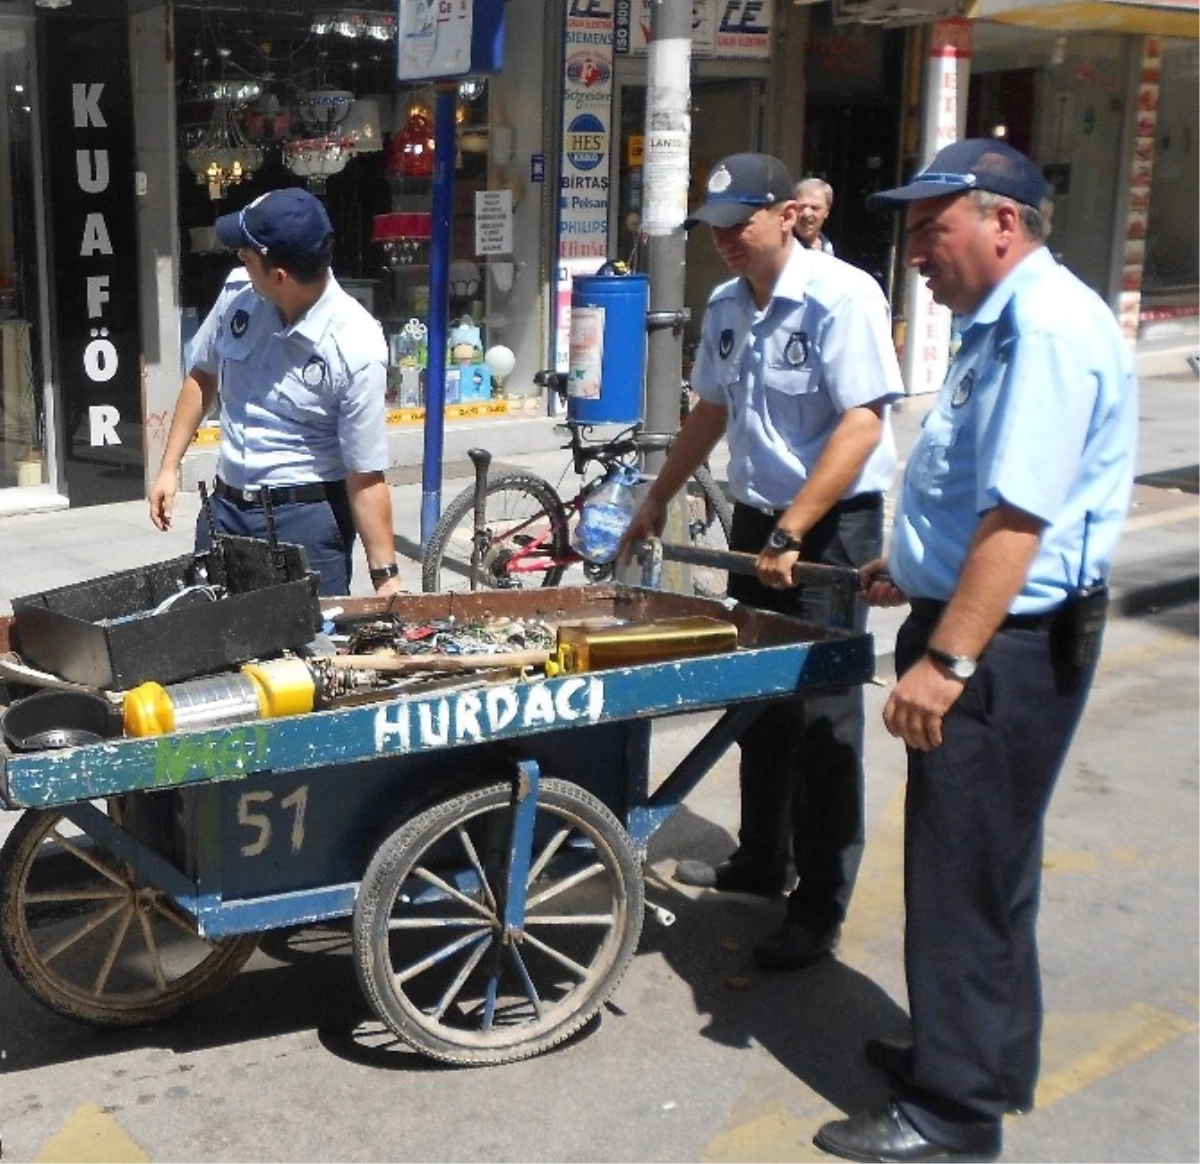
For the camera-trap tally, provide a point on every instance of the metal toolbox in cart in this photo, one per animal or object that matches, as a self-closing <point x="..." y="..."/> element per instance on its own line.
<point x="164" y="622"/>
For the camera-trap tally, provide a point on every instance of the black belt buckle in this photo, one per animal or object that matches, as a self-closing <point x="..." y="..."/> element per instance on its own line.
<point x="1079" y="626"/>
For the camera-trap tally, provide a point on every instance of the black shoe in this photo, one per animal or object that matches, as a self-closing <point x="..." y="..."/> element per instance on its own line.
<point x="794" y="946"/>
<point x="888" y="1135"/>
<point x="732" y="876"/>
<point x="892" y="1057"/>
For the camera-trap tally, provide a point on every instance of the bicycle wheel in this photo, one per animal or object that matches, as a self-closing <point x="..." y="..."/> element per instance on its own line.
<point x="710" y="518"/>
<point x="525" y="538"/>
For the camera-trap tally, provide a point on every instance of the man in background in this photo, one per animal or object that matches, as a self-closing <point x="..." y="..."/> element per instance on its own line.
<point x="814" y="201"/>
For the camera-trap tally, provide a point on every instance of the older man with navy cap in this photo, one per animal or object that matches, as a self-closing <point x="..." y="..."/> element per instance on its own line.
<point x="796" y="366"/>
<point x="300" y="370"/>
<point x="1012" y="503"/>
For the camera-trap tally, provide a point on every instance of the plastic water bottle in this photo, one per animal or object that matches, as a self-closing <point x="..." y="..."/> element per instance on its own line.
<point x="606" y="515"/>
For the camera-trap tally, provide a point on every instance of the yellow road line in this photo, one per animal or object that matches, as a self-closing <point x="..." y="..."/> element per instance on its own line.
<point x="1092" y="1047"/>
<point x="88" y="1135"/>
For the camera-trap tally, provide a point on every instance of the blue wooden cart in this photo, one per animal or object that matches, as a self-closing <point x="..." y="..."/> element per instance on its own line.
<point x="486" y="842"/>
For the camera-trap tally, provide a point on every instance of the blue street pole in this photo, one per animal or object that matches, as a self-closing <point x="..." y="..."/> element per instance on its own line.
<point x="439" y="307"/>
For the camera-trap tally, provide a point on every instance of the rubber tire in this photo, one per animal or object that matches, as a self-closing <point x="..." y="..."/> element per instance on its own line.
<point x="22" y="957"/>
<point x="405" y="848"/>
<point x="463" y="508"/>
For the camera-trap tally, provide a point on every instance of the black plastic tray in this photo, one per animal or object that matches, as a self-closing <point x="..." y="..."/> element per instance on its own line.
<point x="102" y="633"/>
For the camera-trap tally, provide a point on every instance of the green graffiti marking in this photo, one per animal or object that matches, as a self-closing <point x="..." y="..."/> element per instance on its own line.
<point x="212" y="756"/>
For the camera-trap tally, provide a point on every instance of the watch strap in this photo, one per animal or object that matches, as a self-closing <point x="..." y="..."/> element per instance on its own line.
<point x="383" y="573"/>
<point x="960" y="666"/>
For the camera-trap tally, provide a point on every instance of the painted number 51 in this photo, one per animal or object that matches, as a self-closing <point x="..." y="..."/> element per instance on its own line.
<point x="296" y="803"/>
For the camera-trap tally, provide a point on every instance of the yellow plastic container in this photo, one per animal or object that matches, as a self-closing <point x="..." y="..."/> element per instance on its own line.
<point x="594" y="648"/>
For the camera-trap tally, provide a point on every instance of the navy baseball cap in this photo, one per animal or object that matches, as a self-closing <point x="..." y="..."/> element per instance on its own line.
<point x="976" y="163"/>
<point x="289" y="222"/>
<point x="738" y="186"/>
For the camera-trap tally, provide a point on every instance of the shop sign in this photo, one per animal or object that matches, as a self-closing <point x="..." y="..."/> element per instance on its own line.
<point x="94" y="224"/>
<point x="744" y="28"/>
<point x="634" y="28"/>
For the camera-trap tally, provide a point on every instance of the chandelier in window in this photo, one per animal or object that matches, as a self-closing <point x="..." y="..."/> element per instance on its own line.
<point x="223" y="156"/>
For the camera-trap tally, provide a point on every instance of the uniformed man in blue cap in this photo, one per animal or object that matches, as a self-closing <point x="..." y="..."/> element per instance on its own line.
<point x="1012" y="503"/>
<point x="299" y="368"/>
<point x="796" y="367"/>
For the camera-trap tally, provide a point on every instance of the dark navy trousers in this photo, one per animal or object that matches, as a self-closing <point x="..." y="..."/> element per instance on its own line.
<point x="973" y="840"/>
<point x="801" y="761"/>
<point x="324" y="528"/>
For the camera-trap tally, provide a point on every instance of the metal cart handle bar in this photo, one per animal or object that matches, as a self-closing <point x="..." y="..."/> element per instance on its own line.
<point x="843" y="582"/>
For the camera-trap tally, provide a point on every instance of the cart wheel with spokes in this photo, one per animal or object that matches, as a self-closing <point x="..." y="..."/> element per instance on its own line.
<point x="433" y="954"/>
<point x="91" y="941"/>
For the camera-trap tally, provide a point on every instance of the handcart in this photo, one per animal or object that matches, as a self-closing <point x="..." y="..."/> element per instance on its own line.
<point x="485" y="841"/>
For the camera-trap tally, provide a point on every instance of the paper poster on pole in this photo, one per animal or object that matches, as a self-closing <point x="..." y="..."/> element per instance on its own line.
<point x="493" y="222"/>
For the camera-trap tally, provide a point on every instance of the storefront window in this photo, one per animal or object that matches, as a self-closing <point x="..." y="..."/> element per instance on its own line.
<point x="1172" y="274"/>
<point x="316" y="103"/>
<point x="23" y="460"/>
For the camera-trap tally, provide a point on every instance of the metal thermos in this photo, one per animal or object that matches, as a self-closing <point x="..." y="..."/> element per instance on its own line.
<point x="258" y="691"/>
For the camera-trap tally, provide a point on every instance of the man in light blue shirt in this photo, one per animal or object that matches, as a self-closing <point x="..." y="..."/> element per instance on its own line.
<point x="796" y="367"/>
<point x="300" y="368"/>
<point x="1012" y="503"/>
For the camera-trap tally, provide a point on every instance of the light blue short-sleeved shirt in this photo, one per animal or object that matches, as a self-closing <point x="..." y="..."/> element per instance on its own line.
<point x="301" y="403"/>
<point x="1039" y="412"/>
<point x="786" y="374"/>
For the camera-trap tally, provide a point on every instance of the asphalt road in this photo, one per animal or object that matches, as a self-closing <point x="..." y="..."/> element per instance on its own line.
<point x="700" y="1056"/>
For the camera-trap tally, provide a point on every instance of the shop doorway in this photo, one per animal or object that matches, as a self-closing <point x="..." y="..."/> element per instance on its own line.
<point x="726" y="119"/>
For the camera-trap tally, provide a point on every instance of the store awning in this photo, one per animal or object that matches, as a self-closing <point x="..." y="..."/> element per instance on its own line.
<point x="1142" y="17"/>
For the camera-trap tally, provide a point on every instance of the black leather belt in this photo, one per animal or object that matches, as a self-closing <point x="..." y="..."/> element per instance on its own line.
<point x="856" y="504"/>
<point x="930" y="610"/>
<point x="279" y="494"/>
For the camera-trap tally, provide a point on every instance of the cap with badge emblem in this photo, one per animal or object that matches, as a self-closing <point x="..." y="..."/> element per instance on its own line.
<point x="738" y="186"/>
<point x="289" y="222"/>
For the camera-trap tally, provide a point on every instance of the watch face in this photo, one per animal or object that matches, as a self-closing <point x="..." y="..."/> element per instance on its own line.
<point x="777" y="540"/>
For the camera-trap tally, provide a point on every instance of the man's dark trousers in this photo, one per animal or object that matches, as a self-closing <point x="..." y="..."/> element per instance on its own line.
<point x="802" y="759"/>
<point x="973" y="840"/>
<point x="324" y="528"/>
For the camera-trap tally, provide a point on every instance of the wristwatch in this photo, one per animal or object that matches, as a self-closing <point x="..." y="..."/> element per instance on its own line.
<point x="960" y="666"/>
<point x="779" y="541"/>
<point x="383" y="573"/>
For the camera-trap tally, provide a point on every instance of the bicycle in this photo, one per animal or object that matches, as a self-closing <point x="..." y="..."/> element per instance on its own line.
<point x="512" y="530"/>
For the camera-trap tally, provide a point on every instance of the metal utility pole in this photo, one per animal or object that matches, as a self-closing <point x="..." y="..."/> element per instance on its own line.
<point x="664" y="207"/>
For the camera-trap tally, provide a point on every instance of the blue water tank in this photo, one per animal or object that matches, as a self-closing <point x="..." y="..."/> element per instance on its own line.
<point x="608" y="349"/>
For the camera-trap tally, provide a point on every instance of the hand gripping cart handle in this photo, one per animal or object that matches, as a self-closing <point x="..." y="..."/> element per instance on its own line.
<point x="842" y="582"/>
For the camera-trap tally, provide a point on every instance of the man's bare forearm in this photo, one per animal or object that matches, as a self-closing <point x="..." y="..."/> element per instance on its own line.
<point x="196" y="397"/>
<point x="371" y="505"/>
<point x="993" y="574"/>
<point x="849" y="447"/>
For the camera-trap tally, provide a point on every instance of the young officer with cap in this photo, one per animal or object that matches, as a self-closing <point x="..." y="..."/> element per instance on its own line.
<point x="300" y="368"/>
<point x="1012" y="503"/>
<point x="796" y="365"/>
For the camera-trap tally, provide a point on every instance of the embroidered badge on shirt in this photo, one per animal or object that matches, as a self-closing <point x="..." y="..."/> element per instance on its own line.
<point x="962" y="390"/>
<point x="239" y="323"/>
<point x="314" y="372"/>
<point x="796" y="351"/>
<point x="725" y="343"/>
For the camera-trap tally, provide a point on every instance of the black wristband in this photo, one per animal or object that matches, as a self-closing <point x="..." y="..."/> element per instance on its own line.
<point x="383" y="573"/>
